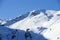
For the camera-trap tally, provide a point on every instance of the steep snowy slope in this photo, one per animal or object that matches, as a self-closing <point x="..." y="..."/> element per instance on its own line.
<point x="31" y="23"/>
<point x="43" y="24"/>
<point x="35" y="22"/>
<point x="53" y="32"/>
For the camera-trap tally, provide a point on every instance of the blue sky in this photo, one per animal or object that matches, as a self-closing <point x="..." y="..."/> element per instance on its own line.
<point x="13" y="8"/>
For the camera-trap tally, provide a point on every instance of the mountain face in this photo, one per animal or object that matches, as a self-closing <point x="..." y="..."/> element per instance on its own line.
<point x="43" y="25"/>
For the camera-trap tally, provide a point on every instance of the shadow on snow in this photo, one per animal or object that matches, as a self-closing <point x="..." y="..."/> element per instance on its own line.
<point x="14" y="34"/>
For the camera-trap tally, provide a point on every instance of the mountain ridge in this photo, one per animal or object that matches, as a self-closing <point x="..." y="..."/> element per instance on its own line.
<point x="39" y="22"/>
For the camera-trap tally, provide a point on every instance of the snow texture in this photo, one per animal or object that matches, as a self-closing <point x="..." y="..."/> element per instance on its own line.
<point x="43" y="25"/>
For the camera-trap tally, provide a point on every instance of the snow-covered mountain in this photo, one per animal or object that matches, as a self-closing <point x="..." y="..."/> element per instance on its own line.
<point x="43" y="24"/>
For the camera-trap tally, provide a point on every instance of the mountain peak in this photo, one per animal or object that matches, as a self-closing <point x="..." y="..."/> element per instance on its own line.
<point x="36" y="12"/>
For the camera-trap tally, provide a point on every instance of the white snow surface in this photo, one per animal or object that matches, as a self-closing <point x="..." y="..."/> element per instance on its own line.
<point x="41" y="20"/>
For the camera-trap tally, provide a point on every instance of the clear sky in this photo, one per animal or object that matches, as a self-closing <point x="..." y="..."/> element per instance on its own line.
<point x="13" y="8"/>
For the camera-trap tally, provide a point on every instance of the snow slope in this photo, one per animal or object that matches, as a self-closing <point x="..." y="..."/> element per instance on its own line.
<point x="43" y="25"/>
